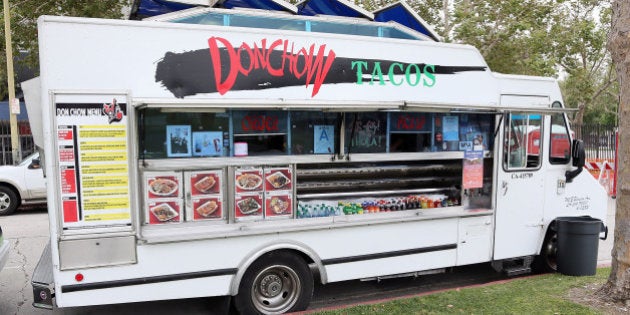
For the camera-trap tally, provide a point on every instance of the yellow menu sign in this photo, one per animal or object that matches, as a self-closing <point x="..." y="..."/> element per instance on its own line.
<point x="93" y="154"/>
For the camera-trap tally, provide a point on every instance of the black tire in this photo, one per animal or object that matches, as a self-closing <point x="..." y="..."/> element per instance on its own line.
<point x="547" y="260"/>
<point x="278" y="282"/>
<point x="9" y="200"/>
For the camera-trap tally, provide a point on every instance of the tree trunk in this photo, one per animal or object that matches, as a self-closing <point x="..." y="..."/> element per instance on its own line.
<point x="579" y="116"/>
<point x="618" y="286"/>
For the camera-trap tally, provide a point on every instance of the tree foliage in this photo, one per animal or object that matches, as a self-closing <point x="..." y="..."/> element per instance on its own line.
<point x="580" y="46"/>
<point x="512" y="35"/>
<point x="560" y="38"/>
<point x="24" y="14"/>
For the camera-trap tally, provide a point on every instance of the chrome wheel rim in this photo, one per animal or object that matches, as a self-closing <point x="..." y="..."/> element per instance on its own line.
<point x="275" y="290"/>
<point x="5" y="201"/>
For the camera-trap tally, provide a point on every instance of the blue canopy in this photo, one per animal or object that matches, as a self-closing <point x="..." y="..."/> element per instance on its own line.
<point x="401" y="13"/>
<point x="398" y="12"/>
<point x="5" y="113"/>
<point x="332" y="7"/>
<point x="147" y="8"/>
<point x="273" y="5"/>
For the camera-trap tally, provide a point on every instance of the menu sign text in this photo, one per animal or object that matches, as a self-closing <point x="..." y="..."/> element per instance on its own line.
<point x="93" y="168"/>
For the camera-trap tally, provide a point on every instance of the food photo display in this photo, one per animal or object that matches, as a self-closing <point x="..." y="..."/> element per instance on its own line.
<point x="248" y="207"/>
<point x="207" y="208"/>
<point x="162" y="212"/>
<point x="278" y="205"/>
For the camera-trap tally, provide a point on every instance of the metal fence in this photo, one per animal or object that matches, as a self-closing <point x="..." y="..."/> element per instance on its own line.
<point x="599" y="141"/>
<point x="26" y="141"/>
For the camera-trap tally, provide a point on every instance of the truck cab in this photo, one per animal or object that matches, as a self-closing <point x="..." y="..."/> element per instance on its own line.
<point x="22" y="184"/>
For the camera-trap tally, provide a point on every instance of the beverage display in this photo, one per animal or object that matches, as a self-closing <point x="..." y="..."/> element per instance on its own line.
<point x="327" y="208"/>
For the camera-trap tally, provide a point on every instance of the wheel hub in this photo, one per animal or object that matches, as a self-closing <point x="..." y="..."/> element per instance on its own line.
<point x="5" y="202"/>
<point x="271" y="285"/>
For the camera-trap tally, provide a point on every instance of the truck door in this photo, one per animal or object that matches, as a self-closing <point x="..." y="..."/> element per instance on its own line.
<point x="34" y="179"/>
<point x="520" y="186"/>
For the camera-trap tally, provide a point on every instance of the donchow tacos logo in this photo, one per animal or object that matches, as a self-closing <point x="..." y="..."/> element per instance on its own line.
<point x="309" y="64"/>
<point x="265" y="64"/>
<point x="112" y="111"/>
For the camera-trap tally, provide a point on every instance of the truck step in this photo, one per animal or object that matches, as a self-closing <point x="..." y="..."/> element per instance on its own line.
<point x="517" y="270"/>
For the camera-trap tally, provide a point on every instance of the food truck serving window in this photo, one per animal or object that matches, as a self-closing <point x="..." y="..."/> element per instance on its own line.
<point x="190" y="133"/>
<point x="279" y="188"/>
<point x="166" y="133"/>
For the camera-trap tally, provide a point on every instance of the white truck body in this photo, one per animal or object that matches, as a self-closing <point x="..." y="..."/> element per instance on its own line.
<point x="107" y="246"/>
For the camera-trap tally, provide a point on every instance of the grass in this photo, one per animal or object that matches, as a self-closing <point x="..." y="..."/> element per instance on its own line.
<point x="545" y="294"/>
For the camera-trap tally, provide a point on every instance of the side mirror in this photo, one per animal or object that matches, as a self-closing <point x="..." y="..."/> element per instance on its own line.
<point x="578" y="155"/>
<point x="35" y="164"/>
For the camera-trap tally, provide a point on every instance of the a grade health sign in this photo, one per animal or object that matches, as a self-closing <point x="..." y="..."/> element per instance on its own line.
<point x="91" y="146"/>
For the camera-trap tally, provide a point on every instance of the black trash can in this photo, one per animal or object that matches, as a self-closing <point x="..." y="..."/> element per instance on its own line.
<point x="578" y="242"/>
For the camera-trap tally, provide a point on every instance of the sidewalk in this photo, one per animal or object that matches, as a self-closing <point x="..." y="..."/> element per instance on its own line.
<point x="605" y="247"/>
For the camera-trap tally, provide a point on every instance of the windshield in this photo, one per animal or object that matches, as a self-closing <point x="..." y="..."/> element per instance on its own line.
<point x="27" y="160"/>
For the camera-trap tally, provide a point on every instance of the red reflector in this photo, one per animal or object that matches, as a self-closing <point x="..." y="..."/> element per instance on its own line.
<point x="78" y="277"/>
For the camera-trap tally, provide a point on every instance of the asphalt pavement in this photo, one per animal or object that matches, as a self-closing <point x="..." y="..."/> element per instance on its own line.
<point x="28" y="233"/>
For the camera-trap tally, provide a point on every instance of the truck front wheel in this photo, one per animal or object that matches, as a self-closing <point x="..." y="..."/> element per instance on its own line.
<point x="8" y="200"/>
<point x="276" y="283"/>
<point x="547" y="261"/>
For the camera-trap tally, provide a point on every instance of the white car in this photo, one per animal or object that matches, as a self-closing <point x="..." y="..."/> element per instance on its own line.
<point x="22" y="184"/>
<point x="4" y="250"/>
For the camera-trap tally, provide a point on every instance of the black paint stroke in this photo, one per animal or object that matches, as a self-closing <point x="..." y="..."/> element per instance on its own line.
<point x="192" y="72"/>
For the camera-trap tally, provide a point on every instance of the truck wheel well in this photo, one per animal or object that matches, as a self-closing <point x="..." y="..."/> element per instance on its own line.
<point x="307" y="259"/>
<point x="291" y="251"/>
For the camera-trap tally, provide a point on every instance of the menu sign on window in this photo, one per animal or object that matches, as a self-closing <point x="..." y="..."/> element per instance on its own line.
<point x="91" y="142"/>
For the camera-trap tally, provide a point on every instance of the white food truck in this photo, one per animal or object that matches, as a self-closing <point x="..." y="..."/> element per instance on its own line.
<point x="233" y="160"/>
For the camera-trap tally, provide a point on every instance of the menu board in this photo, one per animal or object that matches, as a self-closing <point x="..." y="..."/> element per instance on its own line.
<point x="248" y="194"/>
<point x="163" y="197"/>
<point x="92" y="154"/>
<point x="278" y="192"/>
<point x="206" y="195"/>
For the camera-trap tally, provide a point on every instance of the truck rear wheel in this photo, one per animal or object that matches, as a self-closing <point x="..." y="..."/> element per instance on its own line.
<point x="276" y="283"/>
<point x="8" y="201"/>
